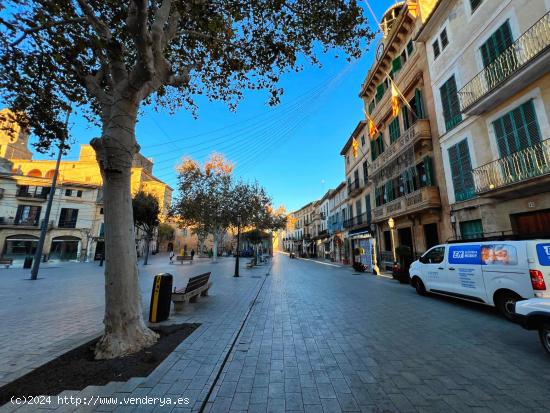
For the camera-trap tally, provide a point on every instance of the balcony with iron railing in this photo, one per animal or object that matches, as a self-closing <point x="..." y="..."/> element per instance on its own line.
<point x="23" y="223"/>
<point x="417" y="201"/>
<point x="359" y="220"/>
<point x="523" y="62"/>
<point x="418" y="132"/>
<point x="35" y="193"/>
<point x="355" y="187"/>
<point x="525" y="165"/>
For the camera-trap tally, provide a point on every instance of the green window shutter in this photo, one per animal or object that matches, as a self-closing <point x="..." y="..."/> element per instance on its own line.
<point x="517" y="130"/>
<point x="405" y="113"/>
<point x="373" y="150"/>
<point x="368" y="209"/>
<point x="372" y="105"/>
<point x="429" y="171"/>
<point x="394" y="130"/>
<point x="495" y="45"/>
<point x="420" y="114"/>
<point x="435" y="47"/>
<point x="380" y="89"/>
<point x="471" y="229"/>
<point x="450" y="103"/>
<point x="461" y="171"/>
<point x="474" y="4"/>
<point x="410" y="47"/>
<point x="396" y="64"/>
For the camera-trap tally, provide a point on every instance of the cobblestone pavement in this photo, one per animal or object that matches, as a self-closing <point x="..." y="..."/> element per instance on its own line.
<point x="64" y="307"/>
<point x="317" y="338"/>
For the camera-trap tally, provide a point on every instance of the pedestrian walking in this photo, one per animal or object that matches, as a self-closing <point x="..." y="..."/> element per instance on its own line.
<point x="192" y="254"/>
<point x="171" y="256"/>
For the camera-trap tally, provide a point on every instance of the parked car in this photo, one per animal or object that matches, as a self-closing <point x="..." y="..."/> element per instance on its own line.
<point x="496" y="273"/>
<point x="534" y="314"/>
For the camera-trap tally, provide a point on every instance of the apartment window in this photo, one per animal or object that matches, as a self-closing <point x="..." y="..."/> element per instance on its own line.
<point x="380" y="89"/>
<point x="395" y="132"/>
<point x="365" y="172"/>
<point x="435" y="47"/>
<point x="471" y="229"/>
<point x="410" y="47"/>
<point x="368" y="208"/>
<point x="27" y="215"/>
<point x="68" y="218"/>
<point x="396" y="65"/>
<point x="377" y="147"/>
<point x="79" y="194"/>
<point x="474" y="4"/>
<point x="517" y="130"/>
<point x="356" y="177"/>
<point x="461" y="171"/>
<point x="358" y="207"/>
<point x="379" y="196"/>
<point x="68" y="192"/>
<point x="347" y="159"/>
<point x="363" y="140"/>
<point x="495" y="45"/>
<point x="450" y="104"/>
<point x="444" y="39"/>
<point x="372" y="105"/>
<point x="184" y="232"/>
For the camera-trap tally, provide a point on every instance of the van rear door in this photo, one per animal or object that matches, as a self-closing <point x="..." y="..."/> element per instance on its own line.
<point x="539" y="267"/>
<point x="464" y="272"/>
<point x="504" y="266"/>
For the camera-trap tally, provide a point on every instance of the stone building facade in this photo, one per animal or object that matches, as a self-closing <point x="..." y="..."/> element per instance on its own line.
<point x="491" y="88"/>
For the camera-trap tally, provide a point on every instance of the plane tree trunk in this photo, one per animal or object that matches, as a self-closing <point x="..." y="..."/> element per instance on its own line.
<point x="125" y="329"/>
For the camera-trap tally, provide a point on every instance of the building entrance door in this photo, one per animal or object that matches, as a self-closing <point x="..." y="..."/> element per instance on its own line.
<point x="533" y="224"/>
<point x="405" y="237"/>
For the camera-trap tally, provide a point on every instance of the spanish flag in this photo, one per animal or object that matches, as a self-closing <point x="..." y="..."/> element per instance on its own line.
<point x="394" y="100"/>
<point x="355" y="146"/>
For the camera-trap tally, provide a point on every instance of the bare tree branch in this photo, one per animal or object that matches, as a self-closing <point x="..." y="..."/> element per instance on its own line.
<point x="46" y="26"/>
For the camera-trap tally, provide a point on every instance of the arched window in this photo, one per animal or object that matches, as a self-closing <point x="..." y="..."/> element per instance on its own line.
<point x="35" y="172"/>
<point x="49" y="174"/>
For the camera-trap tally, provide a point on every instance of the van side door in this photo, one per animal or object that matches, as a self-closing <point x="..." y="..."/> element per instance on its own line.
<point x="433" y="267"/>
<point x="505" y="266"/>
<point x="464" y="272"/>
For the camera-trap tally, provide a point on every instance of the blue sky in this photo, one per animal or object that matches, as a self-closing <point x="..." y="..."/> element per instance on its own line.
<point x="293" y="150"/>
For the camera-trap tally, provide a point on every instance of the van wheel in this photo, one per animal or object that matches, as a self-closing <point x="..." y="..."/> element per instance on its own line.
<point x="544" y="334"/>
<point x="506" y="303"/>
<point x="419" y="286"/>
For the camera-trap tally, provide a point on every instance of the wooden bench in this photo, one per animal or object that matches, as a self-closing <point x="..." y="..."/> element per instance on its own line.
<point x="182" y="258"/>
<point x="196" y="286"/>
<point x="6" y="262"/>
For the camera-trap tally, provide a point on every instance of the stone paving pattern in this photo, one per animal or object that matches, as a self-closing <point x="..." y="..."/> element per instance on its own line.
<point x="321" y="339"/>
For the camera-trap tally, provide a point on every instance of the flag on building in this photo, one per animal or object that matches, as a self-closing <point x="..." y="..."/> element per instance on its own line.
<point x="412" y="6"/>
<point x="355" y="146"/>
<point x="373" y="130"/>
<point x="394" y="100"/>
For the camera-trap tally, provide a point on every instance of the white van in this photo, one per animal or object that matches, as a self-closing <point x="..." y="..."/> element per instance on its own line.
<point x="497" y="273"/>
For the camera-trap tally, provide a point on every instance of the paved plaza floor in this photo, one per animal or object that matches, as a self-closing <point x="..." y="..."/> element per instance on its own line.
<point x="307" y="337"/>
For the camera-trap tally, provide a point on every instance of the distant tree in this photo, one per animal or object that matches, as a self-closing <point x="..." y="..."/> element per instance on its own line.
<point x="146" y="213"/>
<point x="204" y="200"/>
<point x="109" y="58"/>
<point x="165" y="232"/>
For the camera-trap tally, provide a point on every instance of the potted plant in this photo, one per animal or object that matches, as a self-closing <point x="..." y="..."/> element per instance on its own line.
<point x="404" y="259"/>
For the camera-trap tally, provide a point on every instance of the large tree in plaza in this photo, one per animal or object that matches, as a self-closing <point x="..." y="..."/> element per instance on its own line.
<point x="110" y="58"/>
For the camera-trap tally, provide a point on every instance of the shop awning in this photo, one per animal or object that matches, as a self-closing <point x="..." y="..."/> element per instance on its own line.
<point x="360" y="233"/>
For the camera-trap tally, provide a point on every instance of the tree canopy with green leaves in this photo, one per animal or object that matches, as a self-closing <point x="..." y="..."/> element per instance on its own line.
<point x="111" y="58"/>
<point x="146" y="210"/>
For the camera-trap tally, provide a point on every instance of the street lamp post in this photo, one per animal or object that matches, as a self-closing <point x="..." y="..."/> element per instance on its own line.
<point x="45" y="221"/>
<point x="238" y="246"/>
<point x="391" y="224"/>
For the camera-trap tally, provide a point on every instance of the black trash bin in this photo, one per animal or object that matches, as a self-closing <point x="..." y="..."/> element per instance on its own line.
<point x="161" y="296"/>
<point x="28" y="262"/>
